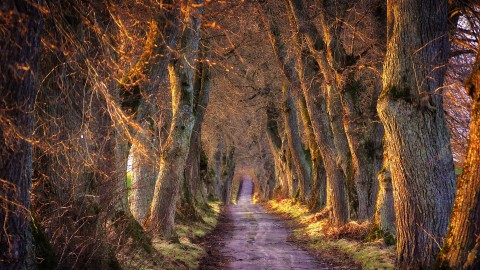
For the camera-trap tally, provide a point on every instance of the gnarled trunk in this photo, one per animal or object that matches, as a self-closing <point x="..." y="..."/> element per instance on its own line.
<point x="175" y="152"/>
<point x="411" y="109"/>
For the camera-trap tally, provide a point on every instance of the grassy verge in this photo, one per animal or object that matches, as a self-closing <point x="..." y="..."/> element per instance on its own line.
<point x="165" y="255"/>
<point x="188" y="253"/>
<point x="314" y="231"/>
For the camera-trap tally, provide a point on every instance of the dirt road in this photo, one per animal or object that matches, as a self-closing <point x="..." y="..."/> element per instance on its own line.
<point x="258" y="240"/>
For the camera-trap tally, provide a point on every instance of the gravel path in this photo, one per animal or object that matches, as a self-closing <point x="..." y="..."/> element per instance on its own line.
<point x="258" y="240"/>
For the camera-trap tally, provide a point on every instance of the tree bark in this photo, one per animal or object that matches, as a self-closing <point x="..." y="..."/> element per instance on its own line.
<point x="318" y="195"/>
<point x="462" y="244"/>
<point x="278" y="152"/>
<point x="192" y="189"/>
<point x="384" y="217"/>
<point x="172" y="161"/>
<point x="144" y="172"/>
<point x="410" y="107"/>
<point x="19" y="49"/>
<point x="336" y="180"/>
<point x="295" y="143"/>
<point x="227" y="175"/>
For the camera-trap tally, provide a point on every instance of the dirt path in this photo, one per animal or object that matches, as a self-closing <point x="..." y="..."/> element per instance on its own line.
<point x="255" y="239"/>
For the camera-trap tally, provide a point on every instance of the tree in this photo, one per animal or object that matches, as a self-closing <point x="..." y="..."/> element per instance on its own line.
<point x="175" y="152"/>
<point x="416" y="134"/>
<point x="300" y="162"/>
<point x="191" y="187"/>
<point x="317" y="109"/>
<point x="19" y="49"/>
<point x="462" y="244"/>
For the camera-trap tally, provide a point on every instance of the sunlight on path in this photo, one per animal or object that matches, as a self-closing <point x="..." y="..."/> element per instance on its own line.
<point x="259" y="240"/>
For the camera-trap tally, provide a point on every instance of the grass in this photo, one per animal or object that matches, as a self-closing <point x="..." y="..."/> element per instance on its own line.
<point x="129" y="180"/>
<point x="166" y="255"/>
<point x="187" y="254"/>
<point x="314" y="230"/>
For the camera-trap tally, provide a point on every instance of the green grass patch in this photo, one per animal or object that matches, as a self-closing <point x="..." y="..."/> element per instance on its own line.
<point x="129" y="180"/>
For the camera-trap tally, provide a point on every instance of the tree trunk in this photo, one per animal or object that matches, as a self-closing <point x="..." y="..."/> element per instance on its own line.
<point x="175" y="152"/>
<point x="153" y="63"/>
<point x="336" y="180"/>
<point x="344" y="156"/>
<point x="411" y="109"/>
<point x="462" y="245"/>
<point x="144" y="172"/>
<point x="384" y="217"/>
<point x="227" y="175"/>
<point x="275" y="143"/>
<point x="318" y="195"/>
<point x="295" y="143"/>
<point x="192" y="188"/>
<point x="19" y="49"/>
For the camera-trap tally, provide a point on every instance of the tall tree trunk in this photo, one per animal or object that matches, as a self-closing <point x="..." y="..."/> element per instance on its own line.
<point x="462" y="245"/>
<point x="19" y="49"/>
<point x="318" y="195"/>
<point x="278" y="152"/>
<point x="175" y="152"/>
<point x="411" y="109"/>
<point x="227" y="175"/>
<point x="336" y="180"/>
<point x="192" y="187"/>
<point x="364" y="131"/>
<point x="144" y="172"/>
<point x="295" y="143"/>
<point x="344" y="156"/>
<point x="217" y="167"/>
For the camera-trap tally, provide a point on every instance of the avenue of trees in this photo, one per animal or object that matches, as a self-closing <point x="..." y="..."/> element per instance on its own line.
<point x="119" y="117"/>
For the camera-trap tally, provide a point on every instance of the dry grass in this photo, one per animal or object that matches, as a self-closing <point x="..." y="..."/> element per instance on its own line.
<point x="318" y="233"/>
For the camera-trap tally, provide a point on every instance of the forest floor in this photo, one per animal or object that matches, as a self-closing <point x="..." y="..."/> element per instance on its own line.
<point x="248" y="237"/>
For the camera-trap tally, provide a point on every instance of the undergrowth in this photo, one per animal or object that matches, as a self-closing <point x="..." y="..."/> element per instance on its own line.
<point x="162" y="254"/>
<point x="315" y="230"/>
